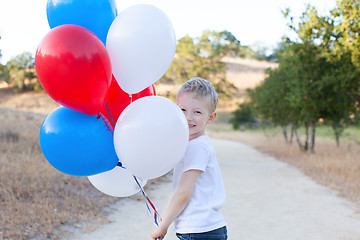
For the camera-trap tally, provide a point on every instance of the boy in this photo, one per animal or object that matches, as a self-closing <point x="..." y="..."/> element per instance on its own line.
<point x="199" y="190"/>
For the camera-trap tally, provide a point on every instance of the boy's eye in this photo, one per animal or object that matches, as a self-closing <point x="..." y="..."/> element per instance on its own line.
<point x="183" y="110"/>
<point x="197" y="112"/>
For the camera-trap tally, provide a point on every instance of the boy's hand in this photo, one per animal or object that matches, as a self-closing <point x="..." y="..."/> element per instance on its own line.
<point x="158" y="233"/>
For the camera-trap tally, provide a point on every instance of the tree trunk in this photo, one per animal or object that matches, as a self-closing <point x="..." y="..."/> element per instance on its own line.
<point x="297" y="138"/>
<point x="306" y="147"/>
<point x="337" y="134"/>
<point x="285" y="134"/>
<point x="312" y="141"/>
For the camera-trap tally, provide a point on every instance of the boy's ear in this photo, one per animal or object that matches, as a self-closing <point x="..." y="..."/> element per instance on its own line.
<point x="211" y="118"/>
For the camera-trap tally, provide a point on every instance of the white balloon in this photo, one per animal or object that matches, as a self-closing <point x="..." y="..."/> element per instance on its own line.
<point x="141" y="43"/>
<point x="118" y="182"/>
<point x="151" y="136"/>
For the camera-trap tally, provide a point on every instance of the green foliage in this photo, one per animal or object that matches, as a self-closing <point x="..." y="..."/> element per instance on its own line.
<point x="219" y="44"/>
<point x="202" y="58"/>
<point x="243" y="116"/>
<point x="20" y="70"/>
<point x="318" y="76"/>
<point x="348" y="30"/>
<point x="2" y="72"/>
<point x="37" y="87"/>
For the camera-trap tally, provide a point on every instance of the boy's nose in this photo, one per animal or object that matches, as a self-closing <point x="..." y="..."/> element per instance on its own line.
<point x="188" y="116"/>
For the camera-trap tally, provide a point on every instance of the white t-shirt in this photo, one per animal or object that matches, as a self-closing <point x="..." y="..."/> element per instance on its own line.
<point x="201" y="214"/>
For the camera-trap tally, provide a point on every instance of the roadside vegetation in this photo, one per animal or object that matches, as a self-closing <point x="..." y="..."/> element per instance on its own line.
<point x="36" y="199"/>
<point x="318" y="78"/>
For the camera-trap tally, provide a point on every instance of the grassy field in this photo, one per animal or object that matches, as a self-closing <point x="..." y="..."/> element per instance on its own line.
<point x="36" y="199"/>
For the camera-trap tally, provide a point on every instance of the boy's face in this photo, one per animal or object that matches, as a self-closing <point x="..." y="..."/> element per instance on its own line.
<point x="197" y="113"/>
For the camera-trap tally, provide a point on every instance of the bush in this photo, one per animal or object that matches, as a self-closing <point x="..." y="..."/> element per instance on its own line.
<point x="244" y="116"/>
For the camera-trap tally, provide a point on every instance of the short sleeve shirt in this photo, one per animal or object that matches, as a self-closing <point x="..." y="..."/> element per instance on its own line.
<point x="202" y="213"/>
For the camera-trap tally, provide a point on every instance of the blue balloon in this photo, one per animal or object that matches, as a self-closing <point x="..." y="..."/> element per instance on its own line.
<point x="77" y="144"/>
<point x="94" y="15"/>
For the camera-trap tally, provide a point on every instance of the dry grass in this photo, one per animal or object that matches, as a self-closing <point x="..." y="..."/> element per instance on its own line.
<point x="335" y="167"/>
<point x="246" y="73"/>
<point x="36" y="199"/>
<point x="28" y="101"/>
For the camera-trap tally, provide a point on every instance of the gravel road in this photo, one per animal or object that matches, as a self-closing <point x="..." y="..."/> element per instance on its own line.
<point x="266" y="200"/>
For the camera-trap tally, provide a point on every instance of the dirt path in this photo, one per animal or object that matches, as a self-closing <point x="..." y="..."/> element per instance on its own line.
<point x="266" y="200"/>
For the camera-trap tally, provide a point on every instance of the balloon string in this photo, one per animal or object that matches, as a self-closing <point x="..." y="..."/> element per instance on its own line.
<point x="107" y="123"/>
<point x="150" y="206"/>
<point x="112" y="120"/>
<point x="157" y="217"/>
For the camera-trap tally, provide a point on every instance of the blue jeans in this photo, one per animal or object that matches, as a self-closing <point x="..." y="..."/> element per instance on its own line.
<point x="217" y="234"/>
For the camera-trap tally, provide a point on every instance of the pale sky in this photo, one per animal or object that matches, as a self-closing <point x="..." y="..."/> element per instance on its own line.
<point x="23" y="23"/>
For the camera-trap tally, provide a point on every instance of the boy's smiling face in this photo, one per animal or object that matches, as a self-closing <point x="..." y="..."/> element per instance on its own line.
<point x="197" y="112"/>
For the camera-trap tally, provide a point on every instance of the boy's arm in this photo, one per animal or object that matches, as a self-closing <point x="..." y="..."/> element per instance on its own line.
<point x="178" y="202"/>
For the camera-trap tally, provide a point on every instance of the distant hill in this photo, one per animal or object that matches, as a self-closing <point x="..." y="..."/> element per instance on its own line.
<point x="243" y="73"/>
<point x="246" y="73"/>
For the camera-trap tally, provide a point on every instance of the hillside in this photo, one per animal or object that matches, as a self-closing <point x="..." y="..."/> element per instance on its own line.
<point x="243" y="73"/>
<point x="246" y="73"/>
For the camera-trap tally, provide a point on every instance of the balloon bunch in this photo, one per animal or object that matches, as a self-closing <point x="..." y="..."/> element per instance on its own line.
<point x="101" y="67"/>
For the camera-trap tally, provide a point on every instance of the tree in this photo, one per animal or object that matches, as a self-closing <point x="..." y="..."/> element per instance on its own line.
<point x="202" y="58"/>
<point x="329" y="79"/>
<point x="340" y="104"/>
<point x="20" y="69"/>
<point x="341" y="42"/>
<point x="184" y="63"/>
<point x="347" y="13"/>
<point x="276" y="99"/>
<point x="219" y="44"/>
<point x="318" y="74"/>
<point x="244" y="115"/>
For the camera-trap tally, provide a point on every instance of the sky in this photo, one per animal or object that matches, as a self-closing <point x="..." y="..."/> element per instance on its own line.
<point x="23" y="23"/>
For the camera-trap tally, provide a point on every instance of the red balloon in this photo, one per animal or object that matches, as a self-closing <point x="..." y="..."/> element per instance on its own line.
<point x="74" y="68"/>
<point x="117" y="100"/>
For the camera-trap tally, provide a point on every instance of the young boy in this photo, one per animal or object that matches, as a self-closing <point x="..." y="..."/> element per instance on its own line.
<point x="199" y="192"/>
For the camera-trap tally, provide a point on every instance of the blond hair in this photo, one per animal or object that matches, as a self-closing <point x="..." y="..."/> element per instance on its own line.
<point x="203" y="88"/>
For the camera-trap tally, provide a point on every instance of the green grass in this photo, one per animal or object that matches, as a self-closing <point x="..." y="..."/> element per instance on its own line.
<point x="350" y="133"/>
